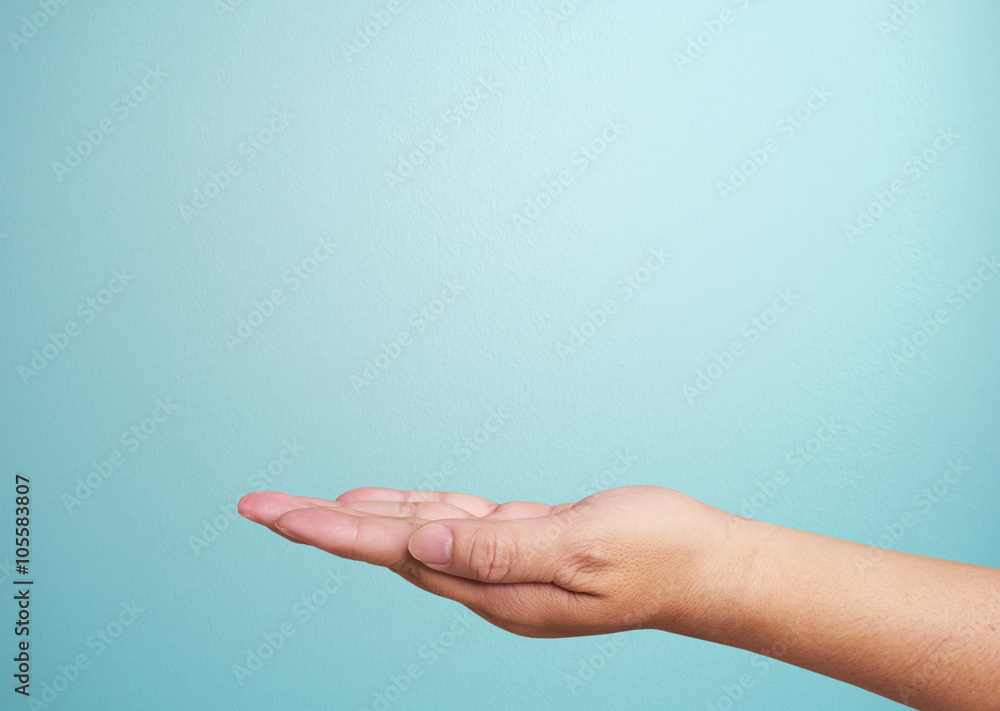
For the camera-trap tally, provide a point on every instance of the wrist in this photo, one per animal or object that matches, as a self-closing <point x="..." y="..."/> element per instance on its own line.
<point x="726" y="599"/>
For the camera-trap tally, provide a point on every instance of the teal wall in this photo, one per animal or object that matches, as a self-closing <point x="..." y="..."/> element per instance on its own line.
<point x="739" y="249"/>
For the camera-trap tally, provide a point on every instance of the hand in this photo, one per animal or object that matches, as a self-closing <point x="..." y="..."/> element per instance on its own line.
<point x="627" y="558"/>
<point x="918" y="630"/>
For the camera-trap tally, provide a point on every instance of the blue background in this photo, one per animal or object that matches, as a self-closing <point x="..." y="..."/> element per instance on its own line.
<point x="160" y="530"/>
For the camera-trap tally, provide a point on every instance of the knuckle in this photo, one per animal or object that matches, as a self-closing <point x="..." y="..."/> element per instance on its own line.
<point x="518" y="617"/>
<point x="587" y="567"/>
<point x="408" y="566"/>
<point x="492" y="556"/>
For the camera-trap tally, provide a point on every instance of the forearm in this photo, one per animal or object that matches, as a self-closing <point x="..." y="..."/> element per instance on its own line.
<point x="921" y="631"/>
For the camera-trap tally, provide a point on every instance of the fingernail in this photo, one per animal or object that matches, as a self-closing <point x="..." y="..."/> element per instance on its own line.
<point x="431" y="545"/>
<point x="287" y="534"/>
<point x="248" y="517"/>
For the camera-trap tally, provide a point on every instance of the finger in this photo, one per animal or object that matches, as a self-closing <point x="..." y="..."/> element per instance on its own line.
<point x="476" y="505"/>
<point x="264" y="507"/>
<point x="515" y="551"/>
<point x="519" y="509"/>
<point x="372" y="539"/>
<point x="529" y="609"/>
<point x="427" y="510"/>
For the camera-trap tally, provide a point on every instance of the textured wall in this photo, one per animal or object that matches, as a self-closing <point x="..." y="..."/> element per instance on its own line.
<point x="242" y="207"/>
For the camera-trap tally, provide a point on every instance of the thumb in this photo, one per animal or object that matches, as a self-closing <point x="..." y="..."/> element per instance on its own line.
<point x="524" y="550"/>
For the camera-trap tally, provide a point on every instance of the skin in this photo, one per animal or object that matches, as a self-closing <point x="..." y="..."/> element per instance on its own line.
<point x="922" y="631"/>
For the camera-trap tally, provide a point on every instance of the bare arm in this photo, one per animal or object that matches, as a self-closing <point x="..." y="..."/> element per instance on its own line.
<point x="922" y="631"/>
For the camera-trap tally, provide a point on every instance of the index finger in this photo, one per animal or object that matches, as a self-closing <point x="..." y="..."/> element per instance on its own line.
<point x="378" y="540"/>
<point x="475" y="505"/>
